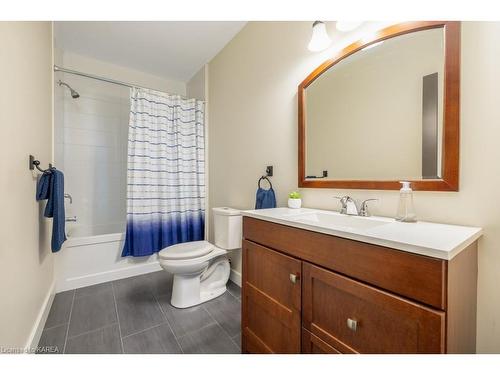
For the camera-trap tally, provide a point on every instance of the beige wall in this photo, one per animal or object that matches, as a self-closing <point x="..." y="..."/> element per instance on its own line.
<point x="26" y="264"/>
<point x="370" y="104"/>
<point x="195" y="87"/>
<point x="253" y="123"/>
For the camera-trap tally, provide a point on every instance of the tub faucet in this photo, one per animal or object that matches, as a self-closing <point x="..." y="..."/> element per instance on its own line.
<point x="68" y="196"/>
<point x="71" y="219"/>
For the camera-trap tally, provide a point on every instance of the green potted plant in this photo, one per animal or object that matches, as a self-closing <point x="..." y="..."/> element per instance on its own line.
<point x="294" y="200"/>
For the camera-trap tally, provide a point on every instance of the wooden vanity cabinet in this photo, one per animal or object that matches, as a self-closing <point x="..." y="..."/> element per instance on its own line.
<point x="312" y="344"/>
<point x="271" y="302"/>
<point x="307" y="292"/>
<point x="357" y="318"/>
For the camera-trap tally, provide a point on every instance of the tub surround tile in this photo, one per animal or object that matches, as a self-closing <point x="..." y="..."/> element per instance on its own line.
<point x="92" y="312"/>
<point x="92" y="139"/>
<point x="101" y="341"/>
<point x="156" y="340"/>
<point x="208" y="340"/>
<point x="60" y="310"/>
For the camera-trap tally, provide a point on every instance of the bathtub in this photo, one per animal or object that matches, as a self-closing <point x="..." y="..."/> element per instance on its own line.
<point x="90" y="256"/>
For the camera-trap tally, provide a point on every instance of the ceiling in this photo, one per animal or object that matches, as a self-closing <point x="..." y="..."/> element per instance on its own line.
<point x="174" y="50"/>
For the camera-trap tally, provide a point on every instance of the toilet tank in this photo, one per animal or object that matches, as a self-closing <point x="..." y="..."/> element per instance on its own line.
<point x="227" y="228"/>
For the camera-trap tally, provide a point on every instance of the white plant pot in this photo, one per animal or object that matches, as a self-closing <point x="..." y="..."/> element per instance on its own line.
<point x="294" y="203"/>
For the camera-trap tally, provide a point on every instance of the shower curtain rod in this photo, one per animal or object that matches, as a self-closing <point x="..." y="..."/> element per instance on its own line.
<point x="108" y="80"/>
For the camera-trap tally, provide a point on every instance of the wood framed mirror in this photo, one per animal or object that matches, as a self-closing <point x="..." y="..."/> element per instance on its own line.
<point x="382" y="110"/>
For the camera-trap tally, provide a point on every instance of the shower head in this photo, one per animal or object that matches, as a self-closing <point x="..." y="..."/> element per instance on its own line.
<point x="74" y="94"/>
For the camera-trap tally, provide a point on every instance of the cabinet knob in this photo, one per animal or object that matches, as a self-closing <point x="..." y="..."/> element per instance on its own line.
<point x="294" y="277"/>
<point x="352" y="324"/>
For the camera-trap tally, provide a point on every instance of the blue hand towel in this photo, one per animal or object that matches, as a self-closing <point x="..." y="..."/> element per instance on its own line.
<point x="265" y="198"/>
<point x="51" y="186"/>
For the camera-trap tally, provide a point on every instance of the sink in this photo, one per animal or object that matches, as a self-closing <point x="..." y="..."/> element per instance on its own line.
<point x="334" y="220"/>
<point x="441" y="241"/>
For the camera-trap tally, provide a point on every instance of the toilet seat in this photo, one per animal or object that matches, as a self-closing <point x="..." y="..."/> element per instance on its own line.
<point x="186" y="250"/>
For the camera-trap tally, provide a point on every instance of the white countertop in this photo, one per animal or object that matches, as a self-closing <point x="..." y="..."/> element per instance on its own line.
<point x="442" y="241"/>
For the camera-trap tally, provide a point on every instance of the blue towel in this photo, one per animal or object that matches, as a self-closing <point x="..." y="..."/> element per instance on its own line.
<point x="265" y="199"/>
<point x="51" y="186"/>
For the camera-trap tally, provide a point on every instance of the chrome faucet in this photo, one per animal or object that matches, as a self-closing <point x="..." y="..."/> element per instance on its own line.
<point x="73" y="219"/>
<point x="349" y="206"/>
<point x="363" y="211"/>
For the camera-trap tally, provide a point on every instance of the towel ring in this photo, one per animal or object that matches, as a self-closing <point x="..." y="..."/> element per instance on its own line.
<point x="265" y="178"/>
<point x="34" y="163"/>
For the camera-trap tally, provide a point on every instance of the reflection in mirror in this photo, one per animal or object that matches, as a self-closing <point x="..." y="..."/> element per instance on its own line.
<point x="378" y="114"/>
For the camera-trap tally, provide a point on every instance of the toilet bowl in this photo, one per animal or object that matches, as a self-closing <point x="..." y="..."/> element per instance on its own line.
<point x="201" y="270"/>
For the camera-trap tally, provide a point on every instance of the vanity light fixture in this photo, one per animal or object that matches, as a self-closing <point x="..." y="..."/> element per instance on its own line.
<point x="319" y="39"/>
<point x="347" y="25"/>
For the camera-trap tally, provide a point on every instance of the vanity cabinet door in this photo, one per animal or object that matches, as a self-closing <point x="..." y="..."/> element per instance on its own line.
<point x="354" y="317"/>
<point x="271" y="302"/>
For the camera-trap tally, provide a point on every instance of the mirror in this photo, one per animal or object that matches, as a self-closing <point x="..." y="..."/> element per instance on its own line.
<point x="381" y="107"/>
<point x="384" y="111"/>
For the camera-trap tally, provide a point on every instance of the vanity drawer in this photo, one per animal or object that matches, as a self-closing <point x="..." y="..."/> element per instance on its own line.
<point x="356" y="318"/>
<point x="312" y="344"/>
<point x="413" y="276"/>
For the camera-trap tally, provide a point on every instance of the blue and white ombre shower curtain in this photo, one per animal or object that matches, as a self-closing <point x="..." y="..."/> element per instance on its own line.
<point x="165" y="172"/>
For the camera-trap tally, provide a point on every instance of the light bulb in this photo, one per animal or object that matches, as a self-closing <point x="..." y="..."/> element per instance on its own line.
<point x="319" y="39"/>
<point x="346" y="25"/>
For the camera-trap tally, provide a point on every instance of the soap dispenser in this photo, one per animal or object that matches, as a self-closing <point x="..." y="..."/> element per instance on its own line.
<point x="406" y="210"/>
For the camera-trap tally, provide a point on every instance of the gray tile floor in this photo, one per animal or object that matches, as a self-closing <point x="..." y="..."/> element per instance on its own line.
<point x="134" y="315"/>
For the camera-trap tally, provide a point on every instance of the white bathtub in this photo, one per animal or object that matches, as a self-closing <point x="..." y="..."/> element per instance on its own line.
<point x="89" y="257"/>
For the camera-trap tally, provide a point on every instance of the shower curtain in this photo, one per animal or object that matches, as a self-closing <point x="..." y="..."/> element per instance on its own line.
<point x="165" y="172"/>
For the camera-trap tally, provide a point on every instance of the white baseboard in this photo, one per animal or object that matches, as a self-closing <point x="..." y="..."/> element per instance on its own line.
<point x="235" y="277"/>
<point x="36" y="331"/>
<point x="134" y="270"/>
<point x="102" y="277"/>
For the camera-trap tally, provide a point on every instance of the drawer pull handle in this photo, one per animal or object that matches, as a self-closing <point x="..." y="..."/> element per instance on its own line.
<point x="294" y="278"/>
<point x="352" y="324"/>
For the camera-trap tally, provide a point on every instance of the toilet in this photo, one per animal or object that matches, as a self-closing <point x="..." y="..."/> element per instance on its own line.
<point x="201" y="270"/>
